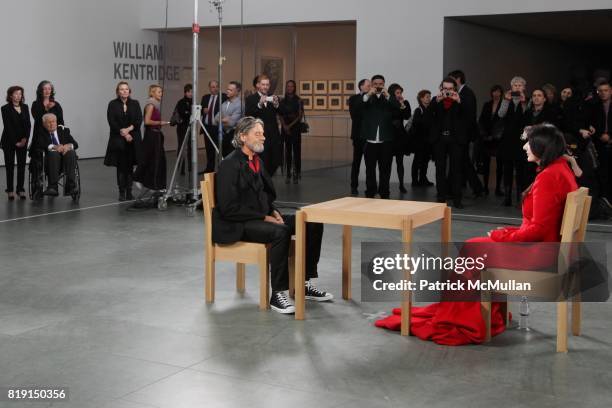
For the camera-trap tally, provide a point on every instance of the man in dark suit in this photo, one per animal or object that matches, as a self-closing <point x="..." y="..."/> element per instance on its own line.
<point x="448" y="123"/>
<point x="468" y="101"/>
<point x="601" y="121"/>
<point x="355" y="105"/>
<point x="378" y="133"/>
<point x="60" y="147"/>
<point x="210" y="108"/>
<point x="265" y="107"/>
<point x="245" y="211"/>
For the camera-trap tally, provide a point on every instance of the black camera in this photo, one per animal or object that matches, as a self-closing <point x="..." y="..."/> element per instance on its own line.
<point x="515" y="94"/>
<point x="448" y="94"/>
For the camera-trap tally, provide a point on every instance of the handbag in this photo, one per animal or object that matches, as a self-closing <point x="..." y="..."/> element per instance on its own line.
<point x="304" y="126"/>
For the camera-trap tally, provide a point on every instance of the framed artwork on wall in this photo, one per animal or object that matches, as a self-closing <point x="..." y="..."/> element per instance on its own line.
<point x="320" y="87"/>
<point x="348" y="87"/>
<point x="305" y="88"/>
<point x="274" y="68"/>
<point x="334" y="102"/>
<point x="335" y="87"/>
<point x="307" y="102"/>
<point x="319" y="102"/>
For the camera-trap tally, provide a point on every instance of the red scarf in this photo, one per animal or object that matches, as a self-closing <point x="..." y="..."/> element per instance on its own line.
<point x="254" y="164"/>
<point x="447" y="102"/>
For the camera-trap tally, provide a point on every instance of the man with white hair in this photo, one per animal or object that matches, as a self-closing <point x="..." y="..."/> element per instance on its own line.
<point x="245" y="211"/>
<point x="59" y="147"/>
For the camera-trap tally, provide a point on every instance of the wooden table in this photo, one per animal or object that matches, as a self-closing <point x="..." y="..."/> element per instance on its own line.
<point x="364" y="212"/>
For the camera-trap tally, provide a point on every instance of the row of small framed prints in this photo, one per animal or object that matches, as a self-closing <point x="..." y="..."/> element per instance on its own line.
<point x="332" y="87"/>
<point x="325" y="102"/>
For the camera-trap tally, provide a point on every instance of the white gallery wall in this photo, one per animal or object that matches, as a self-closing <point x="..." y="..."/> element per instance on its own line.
<point x="70" y="42"/>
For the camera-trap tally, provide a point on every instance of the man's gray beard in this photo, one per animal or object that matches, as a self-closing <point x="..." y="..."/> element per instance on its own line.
<point x="257" y="148"/>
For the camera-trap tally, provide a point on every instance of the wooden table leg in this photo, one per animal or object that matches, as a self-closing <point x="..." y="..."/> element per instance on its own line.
<point x="300" y="264"/>
<point x="446" y="226"/>
<point x="347" y="237"/>
<point x="407" y="295"/>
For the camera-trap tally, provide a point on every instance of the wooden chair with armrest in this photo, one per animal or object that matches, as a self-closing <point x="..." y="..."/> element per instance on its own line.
<point x="573" y="230"/>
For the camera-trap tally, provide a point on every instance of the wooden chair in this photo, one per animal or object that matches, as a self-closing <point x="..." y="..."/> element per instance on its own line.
<point x="241" y="252"/>
<point x="573" y="229"/>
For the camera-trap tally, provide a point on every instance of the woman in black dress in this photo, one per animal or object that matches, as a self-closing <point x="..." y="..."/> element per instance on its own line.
<point x="151" y="170"/>
<point x="124" y="119"/>
<point x="491" y="129"/>
<point x="45" y="103"/>
<point x="291" y="112"/>
<point x="401" y="142"/>
<point x="419" y="139"/>
<point x="15" y="136"/>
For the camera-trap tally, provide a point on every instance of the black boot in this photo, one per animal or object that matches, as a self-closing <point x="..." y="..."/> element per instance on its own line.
<point x="121" y="185"/>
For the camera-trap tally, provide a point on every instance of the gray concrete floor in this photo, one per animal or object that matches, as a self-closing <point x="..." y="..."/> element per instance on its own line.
<point x="109" y="303"/>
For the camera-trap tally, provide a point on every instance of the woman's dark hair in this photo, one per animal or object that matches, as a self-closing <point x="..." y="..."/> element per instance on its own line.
<point x="11" y="91"/>
<point x="494" y="88"/>
<point x="394" y="87"/>
<point x="291" y="81"/>
<point x="421" y="94"/>
<point x="187" y="88"/>
<point x="546" y="143"/>
<point x="39" y="90"/>
<point x="449" y="80"/>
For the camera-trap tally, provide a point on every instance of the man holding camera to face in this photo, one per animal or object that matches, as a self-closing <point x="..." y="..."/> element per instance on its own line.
<point x="448" y="123"/>
<point x="265" y="107"/>
<point x="378" y="133"/>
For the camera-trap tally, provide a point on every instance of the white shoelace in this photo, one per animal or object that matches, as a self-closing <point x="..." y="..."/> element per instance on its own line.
<point x="283" y="299"/>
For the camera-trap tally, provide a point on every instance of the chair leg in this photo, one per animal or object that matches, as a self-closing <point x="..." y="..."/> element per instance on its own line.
<point x="240" y="277"/>
<point x="562" y="327"/>
<point x="292" y="269"/>
<point x="576" y="315"/>
<point x="485" y="308"/>
<point x="264" y="280"/>
<point x="209" y="281"/>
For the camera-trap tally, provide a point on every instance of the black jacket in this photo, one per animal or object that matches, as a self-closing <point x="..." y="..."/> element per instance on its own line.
<point x="355" y="109"/>
<point x="117" y="120"/>
<point x="547" y="115"/>
<point x="490" y="124"/>
<point x="598" y="121"/>
<point x="16" y="125"/>
<point x="378" y="114"/>
<point x="240" y="196"/>
<point x="183" y="110"/>
<point x="453" y="120"/>
<point x="511" y="146"/>
<point x="206" y="101"/>
<point x="64" y="136"/>
<point x="266" y="113"/>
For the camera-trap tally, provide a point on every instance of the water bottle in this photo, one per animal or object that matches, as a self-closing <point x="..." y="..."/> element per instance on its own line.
<point x="524" y="314"/>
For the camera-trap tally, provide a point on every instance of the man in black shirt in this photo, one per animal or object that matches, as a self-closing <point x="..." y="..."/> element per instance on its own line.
<point x="355" y="105"/>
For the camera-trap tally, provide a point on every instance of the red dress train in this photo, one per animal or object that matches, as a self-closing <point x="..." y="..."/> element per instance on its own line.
<point x="457" y="323"/>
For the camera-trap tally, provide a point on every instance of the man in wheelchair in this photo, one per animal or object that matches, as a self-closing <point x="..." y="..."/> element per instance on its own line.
<point x="59" y="148"/>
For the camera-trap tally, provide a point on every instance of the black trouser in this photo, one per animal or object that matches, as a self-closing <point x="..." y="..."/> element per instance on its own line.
<point x="293" y="151"/>
<point x="604" y="153"/>
<point x="470" y="172"/>
<point x="279" y="238"/>
<point x="381" y="155"/>
<point x="399" y="166"/>
<point x="486" y="171"/>
<point x="420" y="162"/>
<point x="453" y="153"/>
<point x="180" y="137"/>
<point x="226" y="145"/>
<point x="56" y="162"/>
<point x="213" y="131"/>
<point x="509" y="168"/>
<point x="9" y="161"/>
<point x="358" y="146"/>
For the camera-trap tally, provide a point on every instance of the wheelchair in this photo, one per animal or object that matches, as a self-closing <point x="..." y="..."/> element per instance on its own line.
<point x="37" y="178"/>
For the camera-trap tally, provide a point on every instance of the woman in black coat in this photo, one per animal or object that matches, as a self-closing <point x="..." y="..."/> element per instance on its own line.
<point x="491" y="128"/>
<point x="419" y="140"/>
<point x="45" y="103"/>
<point x="400" y="142"/>
<point x="124" y="118"/>
<point x="14" y="141"/>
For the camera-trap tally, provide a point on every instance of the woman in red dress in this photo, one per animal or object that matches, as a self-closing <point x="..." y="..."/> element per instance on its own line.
<point x="457" y="323"/>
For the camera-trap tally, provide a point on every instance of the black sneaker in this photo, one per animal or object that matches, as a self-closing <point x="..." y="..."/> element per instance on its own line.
<point x="279" y="302"/>
<point x="312" y="293"/>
